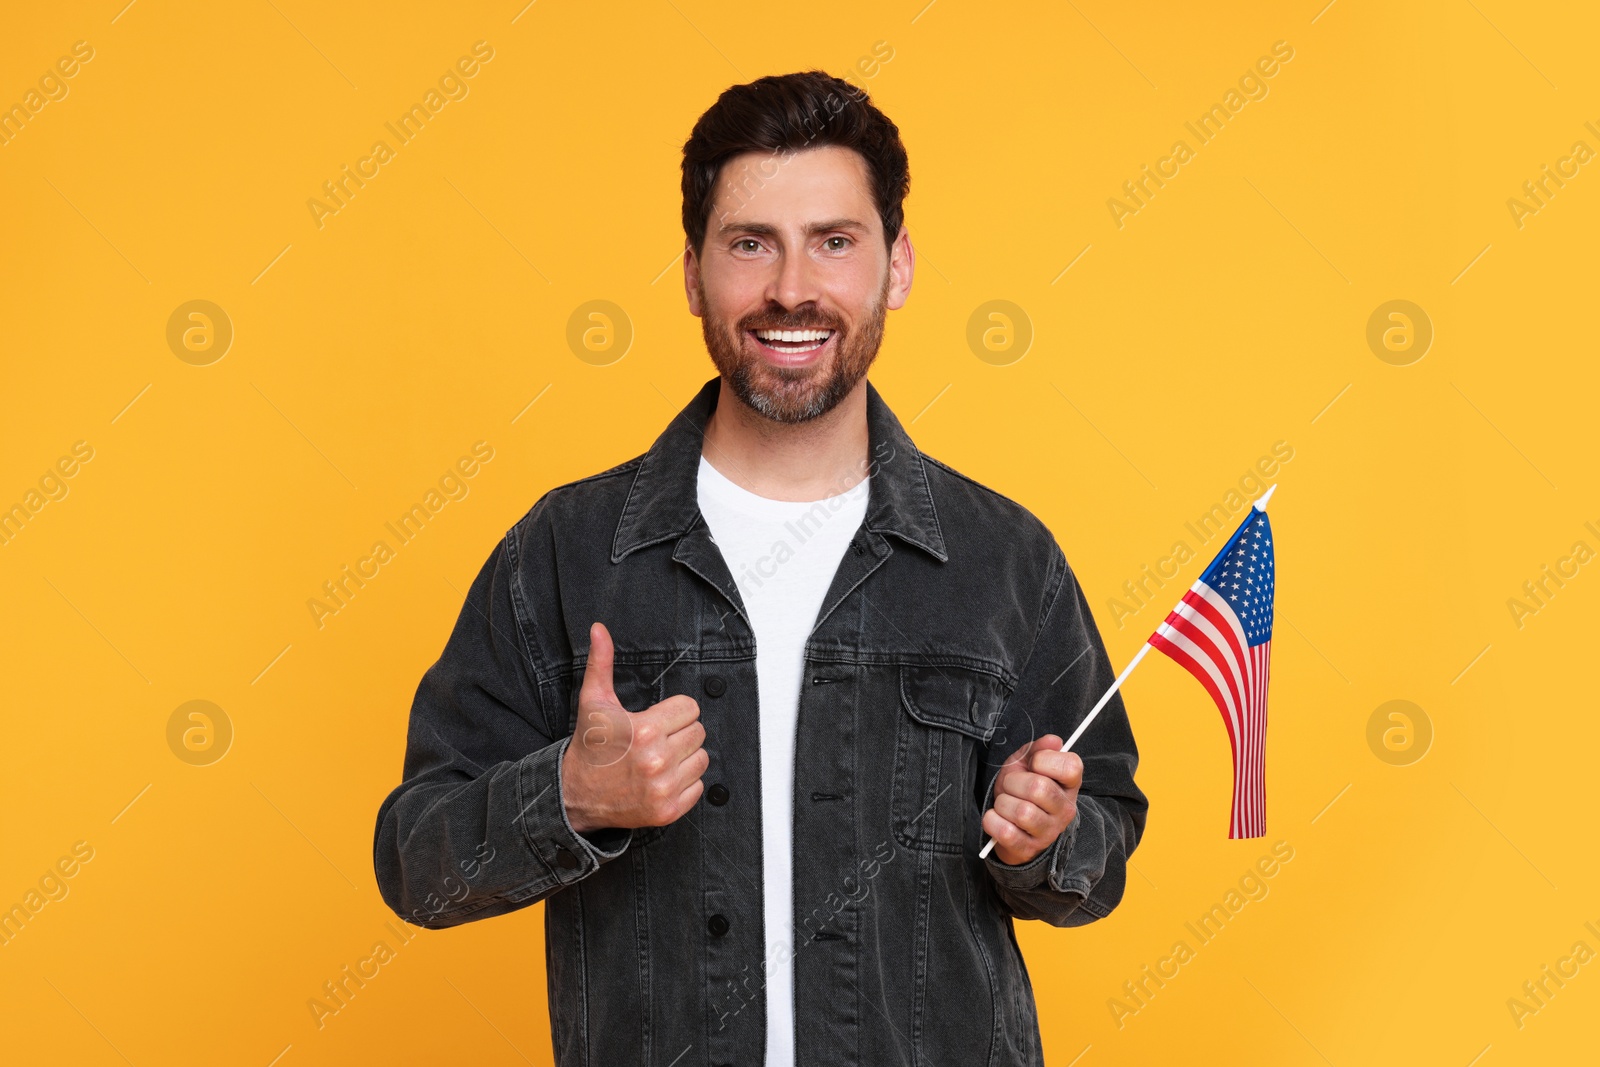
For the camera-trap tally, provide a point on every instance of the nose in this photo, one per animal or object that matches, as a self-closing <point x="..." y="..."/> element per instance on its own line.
<point x="795" y="282"/>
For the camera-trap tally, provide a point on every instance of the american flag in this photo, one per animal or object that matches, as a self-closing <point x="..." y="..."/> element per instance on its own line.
<point x="1221" y="632"/>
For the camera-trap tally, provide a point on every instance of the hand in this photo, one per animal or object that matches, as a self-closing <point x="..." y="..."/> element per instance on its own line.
<point x="629" y="769"/>
<point x="1035" y="798"/>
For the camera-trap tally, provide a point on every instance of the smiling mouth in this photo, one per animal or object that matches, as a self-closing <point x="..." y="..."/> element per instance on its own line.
<point x="792" y="342"/>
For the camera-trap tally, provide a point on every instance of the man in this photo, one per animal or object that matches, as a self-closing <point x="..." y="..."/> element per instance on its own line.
<point x="742" y="710"/>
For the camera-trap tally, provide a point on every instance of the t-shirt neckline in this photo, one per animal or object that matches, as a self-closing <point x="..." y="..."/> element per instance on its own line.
<point x="731" y="493"/>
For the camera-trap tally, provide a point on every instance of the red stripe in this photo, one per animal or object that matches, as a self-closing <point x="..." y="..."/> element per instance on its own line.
<point x="1248" y="817"/>
<point x="1209" y="610"/>
<point x="1190" y="664"/>
<point x="1247" y="768"/>
<point x="1250" y="772"/>
<point x="1216" y="655"/>
<point x="1246" y="765"/>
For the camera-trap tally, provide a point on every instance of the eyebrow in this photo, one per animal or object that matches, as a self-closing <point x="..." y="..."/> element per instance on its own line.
<point x="768" y="230"/>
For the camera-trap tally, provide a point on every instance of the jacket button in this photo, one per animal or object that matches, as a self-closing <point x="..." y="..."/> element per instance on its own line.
<point x="566" y="859"/>
<point x="715" y="686"/>
<point x="717" y="925"/>
<point x="717" y="794"/>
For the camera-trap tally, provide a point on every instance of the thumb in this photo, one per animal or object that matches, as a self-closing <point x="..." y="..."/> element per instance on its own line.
<point x="596" y="688"/>
<point x="1021" y="756"/>
<point x="1047" y="743"/>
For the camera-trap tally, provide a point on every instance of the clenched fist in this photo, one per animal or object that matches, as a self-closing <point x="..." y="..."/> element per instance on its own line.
<point x="1035" y="798"/>
<point x="624" y="768"/>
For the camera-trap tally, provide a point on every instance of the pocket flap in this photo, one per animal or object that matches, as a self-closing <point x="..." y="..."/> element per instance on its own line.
<point x="956" y="698"/>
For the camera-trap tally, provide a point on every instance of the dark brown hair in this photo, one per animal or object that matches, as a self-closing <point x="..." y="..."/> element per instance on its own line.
<point x="788" y="113"/>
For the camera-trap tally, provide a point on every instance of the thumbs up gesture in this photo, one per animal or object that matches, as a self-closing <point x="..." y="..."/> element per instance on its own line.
<point x="629" y="768"/>
<point x="1035" y="798"/>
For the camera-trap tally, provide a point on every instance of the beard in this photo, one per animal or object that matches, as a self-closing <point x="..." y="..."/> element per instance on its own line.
<point x="794" y="394"/>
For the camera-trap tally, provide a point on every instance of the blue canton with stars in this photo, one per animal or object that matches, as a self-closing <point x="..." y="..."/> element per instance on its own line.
<point x="1244" y="574"/>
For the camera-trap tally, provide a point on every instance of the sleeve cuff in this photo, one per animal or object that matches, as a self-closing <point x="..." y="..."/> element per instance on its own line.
<point x="607" y="842"/>
<point x="1081" y="863"/>
<point x="569" y="855"/>
<point x="1037" y="870"/>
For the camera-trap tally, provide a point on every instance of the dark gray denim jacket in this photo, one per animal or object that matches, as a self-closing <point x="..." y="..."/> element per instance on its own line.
<point x="953" y="632"/>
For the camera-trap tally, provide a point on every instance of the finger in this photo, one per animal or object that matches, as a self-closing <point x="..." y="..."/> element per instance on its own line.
<point x="1007" y="833"/>
<point x="1048" y="743"/>
<point x="689" y="798"/>
<point x="1000" y="828"/>
<point x="1040" y="790"/>
<point x="1063" y="767"/>
<point x="596" y="687"/>
<point x="688" y="775"/>
<point x="1024" y="815"/>
<point x="1023" y="755"/>
<point x="684" y="743"/>
<point x="1013" y="775"/>
<point x="1018" y="760"/>
<point x="693" y="768"/>
<point x="674" y="713"/>
<point x="1011" y="768"/>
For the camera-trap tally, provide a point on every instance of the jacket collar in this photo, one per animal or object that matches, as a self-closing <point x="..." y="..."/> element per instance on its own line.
<point x="663" y="501"/>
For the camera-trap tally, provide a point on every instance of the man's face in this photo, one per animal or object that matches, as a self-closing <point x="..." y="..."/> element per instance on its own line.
<point x="795" y="244"/>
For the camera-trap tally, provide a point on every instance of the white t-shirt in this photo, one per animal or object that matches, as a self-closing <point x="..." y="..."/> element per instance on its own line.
<point x="782" y="555"/>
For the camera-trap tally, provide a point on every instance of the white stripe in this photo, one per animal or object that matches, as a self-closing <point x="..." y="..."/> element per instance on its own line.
<point x="1249" y="786"/>
<point x="1255" y="734"/>
<point x="1255" y="747"/>
<point x="1250" y="743"/>
<point x="1259" y="655"/>
<point x="1208" y="661"/>
<point x="1239" y="670"/>
<point x="1231" y="617"/>
<point x="1261" y="739"/>
<point x="1261" y="714"/>
<point x="1248" y="721"/>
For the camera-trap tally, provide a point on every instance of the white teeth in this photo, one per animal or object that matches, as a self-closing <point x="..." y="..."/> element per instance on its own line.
<point x="794" y="336"/>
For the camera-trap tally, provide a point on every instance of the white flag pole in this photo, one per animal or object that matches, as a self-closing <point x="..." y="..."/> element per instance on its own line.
<point x="1260" y="505"/>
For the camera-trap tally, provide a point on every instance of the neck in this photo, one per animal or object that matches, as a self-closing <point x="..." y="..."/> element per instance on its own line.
<point x="803" y="461"/>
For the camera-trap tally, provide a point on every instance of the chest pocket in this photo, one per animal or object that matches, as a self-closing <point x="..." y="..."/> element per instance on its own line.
<point x="947" y="714"/>
<point x="638" y="686"/>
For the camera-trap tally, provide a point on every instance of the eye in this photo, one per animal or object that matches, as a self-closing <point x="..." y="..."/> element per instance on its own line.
<point x="839" y="248"/>
<point x="741" y="242"/>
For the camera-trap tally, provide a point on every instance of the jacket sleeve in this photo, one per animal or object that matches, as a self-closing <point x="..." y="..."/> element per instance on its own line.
<point x="1081" y="876"/>
<point x="478" y="825"/>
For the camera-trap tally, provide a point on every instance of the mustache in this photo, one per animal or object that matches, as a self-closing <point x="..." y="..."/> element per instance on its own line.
<point x="791" y="323"/>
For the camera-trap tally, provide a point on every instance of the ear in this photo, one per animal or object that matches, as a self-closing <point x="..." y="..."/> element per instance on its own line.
<point x="691" y="279"/>
<point x="902" y="265"/>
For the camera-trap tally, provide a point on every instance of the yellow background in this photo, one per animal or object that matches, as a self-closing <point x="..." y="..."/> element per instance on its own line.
<point x="427" y="314"/>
